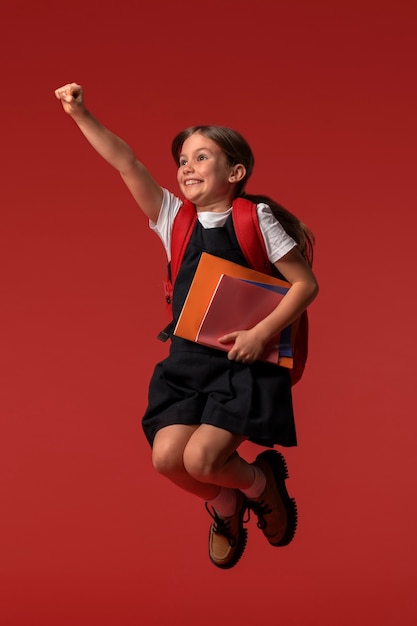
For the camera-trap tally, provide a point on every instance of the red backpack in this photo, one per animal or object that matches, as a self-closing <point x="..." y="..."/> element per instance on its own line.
<point x="251" y="242"/>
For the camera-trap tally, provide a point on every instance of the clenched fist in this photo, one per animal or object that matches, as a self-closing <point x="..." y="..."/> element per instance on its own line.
<point x="71" y="96"/>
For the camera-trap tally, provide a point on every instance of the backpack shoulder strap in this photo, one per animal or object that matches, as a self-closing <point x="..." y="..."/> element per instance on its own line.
<point x="249" y="235"/>
<point x="182" y="229"/>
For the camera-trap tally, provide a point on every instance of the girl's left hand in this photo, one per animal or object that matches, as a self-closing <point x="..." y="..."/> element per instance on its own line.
<point x="247" y="347"/>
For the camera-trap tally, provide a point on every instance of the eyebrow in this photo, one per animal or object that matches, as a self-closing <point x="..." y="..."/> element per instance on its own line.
<point x="197" y="150"/>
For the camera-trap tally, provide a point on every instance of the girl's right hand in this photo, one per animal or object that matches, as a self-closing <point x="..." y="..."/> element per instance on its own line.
<point x="71" y="96"/>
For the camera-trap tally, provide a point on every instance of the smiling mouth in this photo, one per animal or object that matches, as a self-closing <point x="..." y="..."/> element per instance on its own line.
<point x="193" y="181"/>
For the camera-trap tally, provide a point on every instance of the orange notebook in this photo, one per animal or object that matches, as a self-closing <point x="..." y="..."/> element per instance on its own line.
<point x="203" y="307"/>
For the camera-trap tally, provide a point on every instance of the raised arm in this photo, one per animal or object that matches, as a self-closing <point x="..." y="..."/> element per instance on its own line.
<point x="142" y="186"/>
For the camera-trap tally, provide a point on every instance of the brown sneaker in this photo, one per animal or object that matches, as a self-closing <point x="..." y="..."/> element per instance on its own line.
<point x="227" y="537"/>
<point x="276" y="511"/>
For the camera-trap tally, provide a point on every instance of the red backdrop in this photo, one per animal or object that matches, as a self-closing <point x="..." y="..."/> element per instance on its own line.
<point x="326" y="94"/>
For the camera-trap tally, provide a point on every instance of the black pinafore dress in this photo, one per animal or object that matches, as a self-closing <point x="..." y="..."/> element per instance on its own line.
<point x="196" y="384"/>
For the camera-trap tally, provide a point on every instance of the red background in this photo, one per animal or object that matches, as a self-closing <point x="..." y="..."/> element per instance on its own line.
<point x="325" y="92"/>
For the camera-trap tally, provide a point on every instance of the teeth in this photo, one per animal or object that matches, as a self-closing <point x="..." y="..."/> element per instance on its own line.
<point x="191" y="182"/>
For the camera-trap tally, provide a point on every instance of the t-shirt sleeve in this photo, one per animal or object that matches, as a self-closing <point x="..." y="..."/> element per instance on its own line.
<point x="163" y="227"/>
<point x="277" y="241"/>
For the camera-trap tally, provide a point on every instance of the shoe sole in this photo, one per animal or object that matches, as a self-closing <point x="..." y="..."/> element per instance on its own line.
<point x="240" y="547"/>
<point x="279" y="469"/>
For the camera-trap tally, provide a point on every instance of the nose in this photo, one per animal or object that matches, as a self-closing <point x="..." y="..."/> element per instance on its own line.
<point x="188" y="167"/>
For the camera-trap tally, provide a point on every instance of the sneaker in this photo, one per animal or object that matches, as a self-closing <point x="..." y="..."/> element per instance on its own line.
<point x="227" y="537"/>
<point x="275" y="510"/>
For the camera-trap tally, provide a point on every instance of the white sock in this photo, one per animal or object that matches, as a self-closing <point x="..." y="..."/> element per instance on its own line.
<point x="258" y="485"/>
<point x="225" y="502"/>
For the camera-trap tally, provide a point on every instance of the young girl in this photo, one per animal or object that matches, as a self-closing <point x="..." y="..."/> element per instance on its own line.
<point x="203" y="403"/>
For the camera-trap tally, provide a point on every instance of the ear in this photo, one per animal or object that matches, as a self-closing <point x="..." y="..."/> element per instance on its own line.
<point x="238" y="173"/>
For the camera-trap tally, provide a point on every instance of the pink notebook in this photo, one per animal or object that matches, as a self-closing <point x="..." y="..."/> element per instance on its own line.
<point x="238" y="305"/>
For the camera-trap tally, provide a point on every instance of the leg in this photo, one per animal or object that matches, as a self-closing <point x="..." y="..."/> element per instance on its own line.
<point x="210" y="457"/>
<point x="227" y="538"/>
<point x="167" y="457"/>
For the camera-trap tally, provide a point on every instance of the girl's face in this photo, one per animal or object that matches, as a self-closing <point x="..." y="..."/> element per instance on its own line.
<point x="204" y="175"/>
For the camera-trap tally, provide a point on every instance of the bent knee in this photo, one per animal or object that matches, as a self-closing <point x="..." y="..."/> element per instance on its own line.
<point x="167" y="461"/>
<point x="200" y="463"/>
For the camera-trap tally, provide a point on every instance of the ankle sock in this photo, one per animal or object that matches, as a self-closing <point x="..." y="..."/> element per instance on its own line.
<point x="225" y="502"/>
<point x="258" y="485"/>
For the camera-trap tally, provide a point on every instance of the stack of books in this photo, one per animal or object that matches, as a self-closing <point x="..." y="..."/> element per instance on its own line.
<point x="225" y="297"/>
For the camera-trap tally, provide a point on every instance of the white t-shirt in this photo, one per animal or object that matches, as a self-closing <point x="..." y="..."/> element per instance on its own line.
<point x="277" y="241"/>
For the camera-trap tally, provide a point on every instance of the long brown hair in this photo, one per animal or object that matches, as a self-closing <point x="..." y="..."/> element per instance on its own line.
<point x="237" y="150"/>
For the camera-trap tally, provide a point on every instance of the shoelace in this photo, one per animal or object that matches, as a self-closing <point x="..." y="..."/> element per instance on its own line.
<point x="222" y="527"/>
<point x="260" y="509"/>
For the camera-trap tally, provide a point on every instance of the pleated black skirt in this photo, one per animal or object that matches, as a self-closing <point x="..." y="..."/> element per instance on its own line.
<point x="198" y="385"/>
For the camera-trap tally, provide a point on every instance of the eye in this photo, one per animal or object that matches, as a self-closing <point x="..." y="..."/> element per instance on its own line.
<point x="182" y="162"/>
<point x="201" y="157"/>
